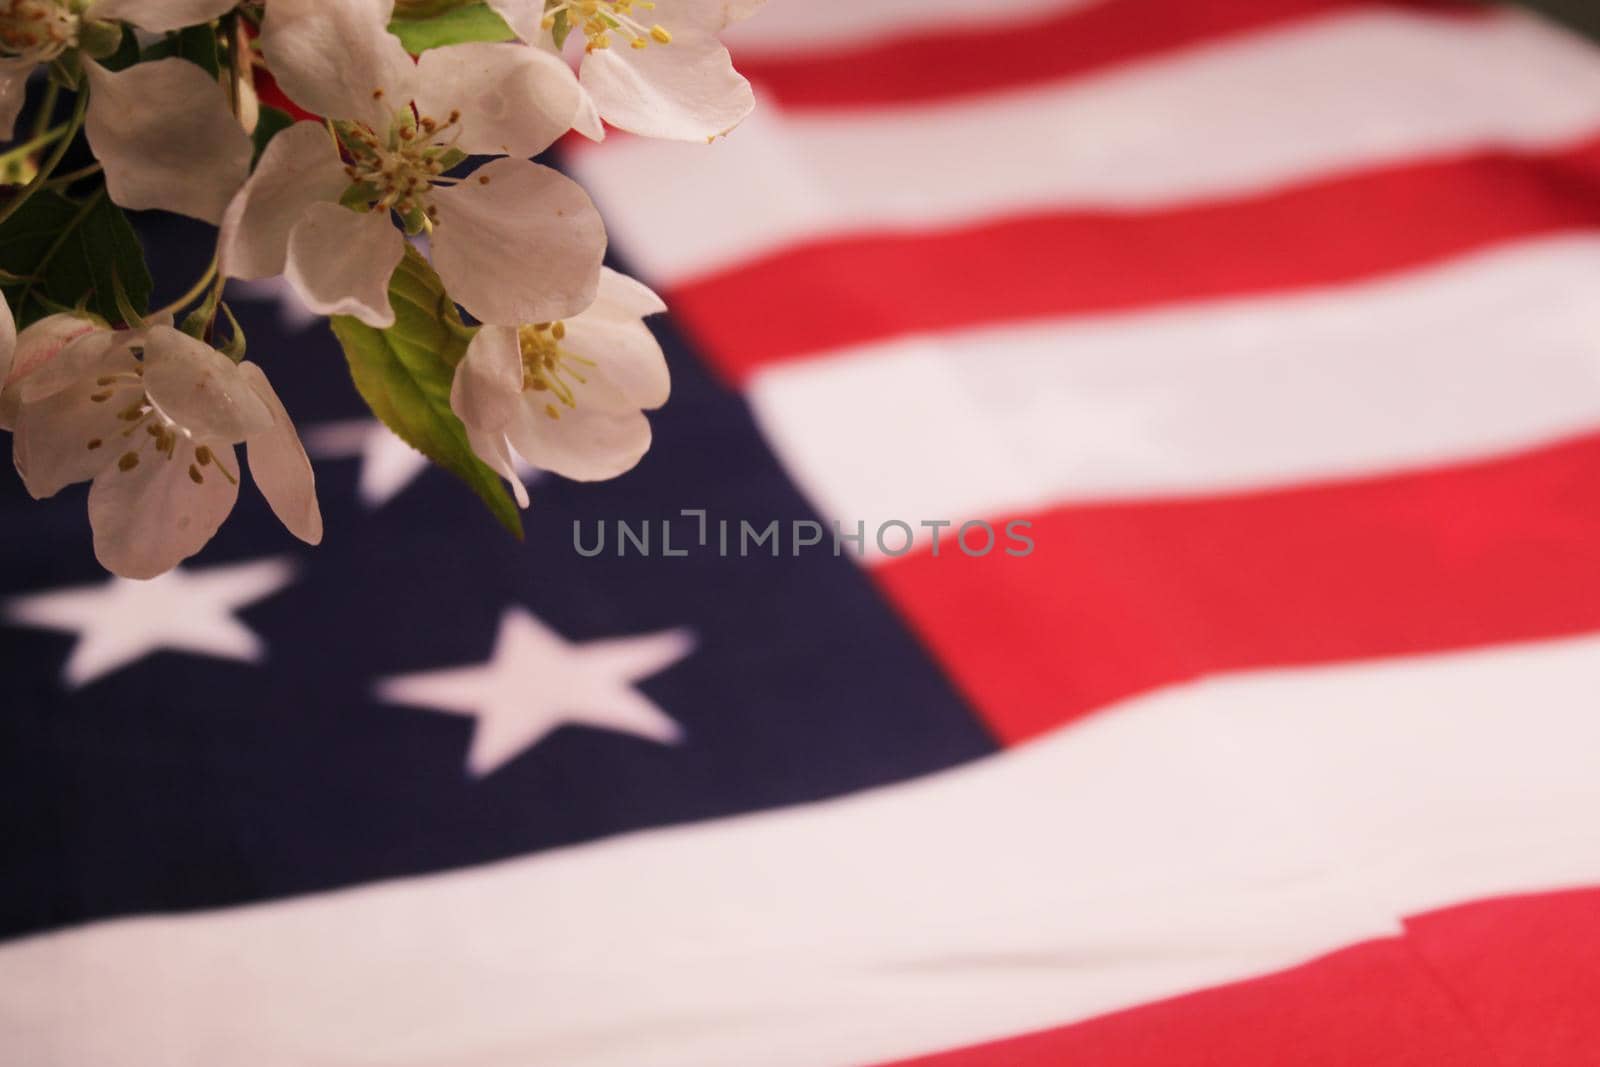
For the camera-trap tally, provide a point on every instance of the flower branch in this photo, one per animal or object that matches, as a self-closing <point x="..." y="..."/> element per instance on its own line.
<point x="505" y="344"/>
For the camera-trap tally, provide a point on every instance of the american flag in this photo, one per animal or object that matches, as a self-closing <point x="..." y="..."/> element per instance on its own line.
<point x="1279" y="321"/>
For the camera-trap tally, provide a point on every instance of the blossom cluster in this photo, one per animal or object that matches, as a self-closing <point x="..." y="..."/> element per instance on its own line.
<point x="405" y="161"/>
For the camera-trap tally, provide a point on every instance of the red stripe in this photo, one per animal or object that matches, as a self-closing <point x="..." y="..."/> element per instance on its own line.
<point x="1119" y="599"/>
<point x="1508" y="983"/>
<point x="830" y="294"/>
<point x="270" y="94"/>
<point x="920" y="67"/>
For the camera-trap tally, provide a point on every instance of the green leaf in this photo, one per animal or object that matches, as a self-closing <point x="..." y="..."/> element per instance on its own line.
<point x="272" y="121"/>
<point x="197" y="44"/>
<point x="460" y="25"/>
<point x="404" y="375"/>
<point x="71" y="251"/>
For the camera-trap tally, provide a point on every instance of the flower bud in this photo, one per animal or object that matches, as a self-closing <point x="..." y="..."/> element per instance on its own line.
<point x="99" y="39"/>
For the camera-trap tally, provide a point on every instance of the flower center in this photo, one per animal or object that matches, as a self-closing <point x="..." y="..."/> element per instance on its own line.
<point x="39" y="30"/>
<point x="547" y="367"/>
<point x="400" y="168"/>
<point x="150" y="427"/>
<point x="599" y="19"/>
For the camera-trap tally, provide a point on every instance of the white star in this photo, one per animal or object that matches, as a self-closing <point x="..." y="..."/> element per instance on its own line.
<point x="535" y="681"/>
<point x="293" y="315"/>
<point x="388" y="464"/>
<point x="119" y="622"/>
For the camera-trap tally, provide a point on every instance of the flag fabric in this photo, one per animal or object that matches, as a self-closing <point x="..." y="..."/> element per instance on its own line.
<point x="1178" y="642"/>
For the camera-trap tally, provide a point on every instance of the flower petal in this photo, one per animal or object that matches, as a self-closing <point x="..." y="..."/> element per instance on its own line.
<point x="300" y="167"/>
<point x="55" y="441"/>
<point x="486" y="396"/>
<point x="280" y="466"/>
<point x="625" y="369"/>
<point x="702" y="16"/>
<point x="160" y="15"/>
<point x="167" y="140"/>
<point x="517" y="242"/>
<point x="340" y="262"/>
<point x="621" y="298"/>
<point x="8" y="341"/>
<point x="45" y="339"/>
<point x="584" y="444"/>
<point x="684" y="91"/>
<point x="739" y="10"/>
<point x="523" y="16"/>
<point x="76" y="360"/>
<point x="514" y="100"/>
<point x="495" y="450"/>
<point x="629" y="371"/>
<point x="14" y="74"/>
<point x="338" y="60"/>
<point x="588" y="121"/>
<point x="38" y="345"/>
<point x="150" y="516"/>
<point x="201" y="389"/>
<point x="486" y="393"/>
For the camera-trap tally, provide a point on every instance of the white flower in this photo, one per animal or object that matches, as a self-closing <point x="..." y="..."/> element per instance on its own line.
<point x="37" y="346"/>
<point x="653" y="68"/>
<point x="151" y="417"/>
<point x="162" y="130"/>
<point x="568" y="397"/>
<point x="166" y="137"/>
<point x="513" y="241"/>
<point x="8" y="341"/>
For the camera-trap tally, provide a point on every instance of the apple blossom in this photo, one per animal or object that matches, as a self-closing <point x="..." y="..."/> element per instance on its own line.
<point x="33" y="349"/>
<point x="655" y="69"/>
<point x="31" y="32"/>
<point x="162" y="131"/>
<point x="151" y="417"/>
<point x="8" y="341"/>
<point x="166" y="137"/>
<point x="513" y="241"/>
<point x="569" y="396"/>
<point x="557" y="371"/>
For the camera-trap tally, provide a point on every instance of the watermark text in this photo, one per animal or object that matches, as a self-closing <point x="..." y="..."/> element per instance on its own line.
<point x="694" y="531"/>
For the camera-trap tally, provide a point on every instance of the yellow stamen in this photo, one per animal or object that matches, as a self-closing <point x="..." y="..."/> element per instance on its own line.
<point x="599" y="20"/>
<point x="547" y="367"/>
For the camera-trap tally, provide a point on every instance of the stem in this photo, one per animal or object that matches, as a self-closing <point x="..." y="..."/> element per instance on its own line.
<point x="213" y="302"/>
<point x="27" y="148"/>
<point x="47" y="109"/>
<point x="195" y="292"/>
<point x="234" y="34"/>
<point x="49" y="166"/>
<point x="64" y="180"/>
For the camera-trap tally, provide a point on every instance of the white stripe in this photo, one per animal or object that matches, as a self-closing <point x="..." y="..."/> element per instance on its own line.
<point x="1483" y="355"/>
<point x="1332" y="94"/>
<point x="1209" y="833"/>
<point x="787" y="27"/>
